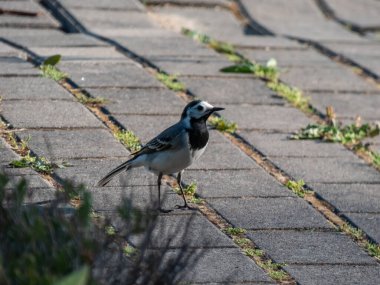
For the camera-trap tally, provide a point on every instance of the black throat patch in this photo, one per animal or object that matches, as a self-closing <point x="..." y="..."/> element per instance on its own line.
<point x="198" y="134"/>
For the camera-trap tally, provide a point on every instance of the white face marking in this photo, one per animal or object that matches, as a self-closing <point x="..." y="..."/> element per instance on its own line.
<point x="199" y="110"/>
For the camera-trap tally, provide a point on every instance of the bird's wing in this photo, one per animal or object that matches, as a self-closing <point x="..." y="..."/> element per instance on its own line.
<point x="163" y="141"/>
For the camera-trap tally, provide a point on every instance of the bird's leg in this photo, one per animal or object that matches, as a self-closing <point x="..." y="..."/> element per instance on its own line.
<point x="179" y="181"/>
<point x="159" y="194"/>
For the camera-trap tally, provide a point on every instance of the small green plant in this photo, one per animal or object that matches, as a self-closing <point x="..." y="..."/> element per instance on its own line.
<point x="129" y="250"/>
<point x="293" y="95"/>
<point x="235" y="231"/>
<point x="93" y="101"/>
<point x="298" y="187"/>
<point x="170" y="81"/>
<point x="252" y="252"/>
<point x="219" y="46"/>
<point x="190" y="189"/>
<point x="275" y="271"/>
<point x="268" y="72"/>
<point x="49" y="70"/>
<point x="223" y="125"/>
<point x="373" y="249"/>
<point x="349" y="134"/>
<point x="129" y="139"/>
<point x="375" y="158"/>
<point x="196" y="200"/>
<point x="242" y="242"/>
<point x="39" y="164"/>
<point x="352" y="231"/>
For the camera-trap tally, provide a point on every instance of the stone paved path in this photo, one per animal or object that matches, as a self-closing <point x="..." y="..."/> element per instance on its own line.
<point x="100" y="60"/>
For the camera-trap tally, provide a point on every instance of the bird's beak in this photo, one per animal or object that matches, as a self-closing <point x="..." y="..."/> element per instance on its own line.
<point x="215" y="109"/>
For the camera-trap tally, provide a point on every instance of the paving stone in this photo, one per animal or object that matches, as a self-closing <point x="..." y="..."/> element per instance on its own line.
<point x="328" y="170"/>
<point x="90" y="171"/>
<point x="13" y="66"/>
<point x="21" y="6"/>
<point x="69" y="144"/>
<point x="366" y="13"/>
<point x="108" y="74"/>
<point x="369" y="223"/>
<point x="213" y="22"/>
<point x="6" y="153"/>
<point x="288" y="57"/>
<point x="40" y="21"/>
<point x="7" y="51"/>
<point x="52" y="39"/>
<point x="112" y="19"/>
<point x="48" y="114"/>
<point x="154" y="47"/>
<point x="203" y="3"/>
<point x="227" y="265"/>
<point x="269" y="213"/>
<point x="266" y="42"/>
<point x="81" y="53"/>
<point x="310" y="247"/>
<point x="284" y="19"/>
<point x="369" y="63"/>
<point x="350" y="197"/>
<point x="280" y="144"/>
<point x="139" y="101"/>
<point x="34" y="181"/>
<point x="104" y="4"/>
<point x="108" y="199"/>
<point x="32" y="88"/>
<point x="200" y="67"/>
<point x="193" y="230"/>
<point x="349" y="105"/>
<point x="235" y="183"/>
<point x="366" y="48"/>
<point x="335" y="274"/>
<point x="232" y="158"/>
<point x="320" y="78"/>
<point x="231" y="91"/>
<point x="276" y="118"/>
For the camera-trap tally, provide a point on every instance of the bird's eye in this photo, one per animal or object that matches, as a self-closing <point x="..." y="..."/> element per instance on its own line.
<point x="200" y="108"/>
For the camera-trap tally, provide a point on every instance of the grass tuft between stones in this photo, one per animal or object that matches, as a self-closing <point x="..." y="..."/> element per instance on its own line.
<point x="297" y="188"/>
<point x="223" y="125"/>
<point x="171" y="81"/>
<point x="129" y="139"/>
<point x="49" y="69"/>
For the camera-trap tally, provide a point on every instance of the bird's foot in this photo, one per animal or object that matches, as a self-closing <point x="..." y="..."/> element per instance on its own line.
<point x="183" y="207"/>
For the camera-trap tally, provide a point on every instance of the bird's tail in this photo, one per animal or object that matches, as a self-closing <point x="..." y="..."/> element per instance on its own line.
<point x="106" y="179"/>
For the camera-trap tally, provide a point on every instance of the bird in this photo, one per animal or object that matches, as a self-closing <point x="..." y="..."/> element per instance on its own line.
<point x="174" y="149"/>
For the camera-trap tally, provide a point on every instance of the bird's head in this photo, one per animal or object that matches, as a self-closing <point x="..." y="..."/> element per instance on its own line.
<point x="199" y="110"/>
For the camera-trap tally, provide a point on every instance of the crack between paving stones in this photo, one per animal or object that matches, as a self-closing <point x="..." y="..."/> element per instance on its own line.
<point x="330" y="14"/>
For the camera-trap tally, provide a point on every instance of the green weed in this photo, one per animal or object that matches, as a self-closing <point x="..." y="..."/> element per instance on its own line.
<point x="129" y="139"/>
<point x="297" y="187"/>
<point x="223" y="125"/>
<point x="269" y="72"/>
<point x="49" y="70"/>
<point x="242" y="242"/>
<point x="196" y="200"/>
<point x="129" y="250"/>
<point x="93" y="101"/>
<point x="293" y="95"/>
<point x="188" y="190"/>
<point x="39" y="164"/>
<point x="170" y="81"/>
<point x="375" y="158"/>
<point x="349" y="134"/>
<point x="352" y="231"/>
<point x="235" y="231"/>
<point x="252" y="252"/>
<point x="373" y="249"/>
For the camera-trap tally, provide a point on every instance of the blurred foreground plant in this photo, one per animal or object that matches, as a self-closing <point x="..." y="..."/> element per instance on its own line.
<point x="57" y="243"/>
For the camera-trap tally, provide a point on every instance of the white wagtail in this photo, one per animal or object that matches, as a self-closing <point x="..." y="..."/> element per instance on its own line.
<point x="174" y="149"/>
